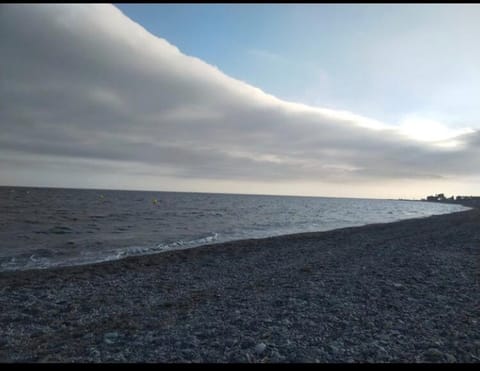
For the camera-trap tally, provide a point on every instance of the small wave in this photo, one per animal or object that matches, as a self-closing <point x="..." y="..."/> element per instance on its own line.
<point x="29" y="221"/>
<point x="56" y="230"/>
<point x="175" y="245"/>
<point x="24" y="263"/>
<point x="60" y="229"/>
<point x="7" y="264"/>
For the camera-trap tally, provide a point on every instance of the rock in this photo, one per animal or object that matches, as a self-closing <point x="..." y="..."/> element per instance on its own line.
<point x="450" y="358"/>
<point x="276" y="356"/>
<point x="433" y="355"/>
<point x="230" y="342"/>
<point x="189" y="354"/>
<point x="110" y="337"/>
<point x="260" y="348"/>
<point x="332" y="348"/>
<point x="246" y="343"/>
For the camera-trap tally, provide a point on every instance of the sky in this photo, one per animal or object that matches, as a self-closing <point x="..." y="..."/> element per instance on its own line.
<point x="343" y="100"/>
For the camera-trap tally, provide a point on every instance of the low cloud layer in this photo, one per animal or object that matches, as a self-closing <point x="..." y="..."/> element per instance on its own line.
<point x="85" y="83"/>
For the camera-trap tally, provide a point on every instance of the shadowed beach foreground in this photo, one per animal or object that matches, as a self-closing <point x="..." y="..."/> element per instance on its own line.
<point x="401" y="292"/>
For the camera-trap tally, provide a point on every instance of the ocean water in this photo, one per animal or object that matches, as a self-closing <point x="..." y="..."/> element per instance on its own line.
<point x="46" y="227"/>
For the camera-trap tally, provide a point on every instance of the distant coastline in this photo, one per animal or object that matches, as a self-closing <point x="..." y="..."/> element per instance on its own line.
<point x="469" y="201"/>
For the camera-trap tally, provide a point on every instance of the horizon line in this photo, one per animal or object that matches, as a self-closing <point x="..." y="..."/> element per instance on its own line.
<point x="205" y="192"/>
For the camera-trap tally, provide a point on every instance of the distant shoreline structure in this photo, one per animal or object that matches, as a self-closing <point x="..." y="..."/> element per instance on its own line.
<point x="471" y="201"/>
<point x="441" y="197"/>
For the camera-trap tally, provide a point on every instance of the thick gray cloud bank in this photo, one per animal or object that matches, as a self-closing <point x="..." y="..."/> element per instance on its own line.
<point x="84" y="86"/>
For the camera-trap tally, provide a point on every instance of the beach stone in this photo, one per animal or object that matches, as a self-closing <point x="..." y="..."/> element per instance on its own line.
<point x="450" y="358"/>
<point x="230" y="342"/>
<point x="260" y="348"/>
<point x="110" y="337"/>
<point x="276" y="356"/>
<point x="433" y="355"/>
<point x="189" y="354"/>
<point x="247" y="343"/>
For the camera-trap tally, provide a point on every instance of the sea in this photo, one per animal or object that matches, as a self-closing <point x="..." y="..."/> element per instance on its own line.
<point x="51" y="227"/>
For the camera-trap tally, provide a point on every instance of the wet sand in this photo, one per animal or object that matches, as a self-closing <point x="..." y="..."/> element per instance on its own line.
<point x="407" y="291"/>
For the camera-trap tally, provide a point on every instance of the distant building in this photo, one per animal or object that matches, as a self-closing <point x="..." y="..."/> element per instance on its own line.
<point x="470" y="200"/>
<point x="438" y="197"/>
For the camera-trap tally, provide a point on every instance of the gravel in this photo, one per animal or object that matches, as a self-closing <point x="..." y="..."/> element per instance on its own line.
<point x="397" y="292"/>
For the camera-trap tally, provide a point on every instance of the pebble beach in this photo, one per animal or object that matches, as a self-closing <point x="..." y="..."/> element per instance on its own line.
<point x="406" y="292"/>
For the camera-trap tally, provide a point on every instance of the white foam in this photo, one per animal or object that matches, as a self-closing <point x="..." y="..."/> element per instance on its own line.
<point x="161" y="247"/>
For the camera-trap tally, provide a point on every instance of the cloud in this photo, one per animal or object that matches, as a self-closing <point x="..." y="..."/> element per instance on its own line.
<point x="431" y="131"/>
<point x="85" y="84"/>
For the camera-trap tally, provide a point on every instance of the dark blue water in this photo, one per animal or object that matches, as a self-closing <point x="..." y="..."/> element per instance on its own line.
<point x="46" y="227"/>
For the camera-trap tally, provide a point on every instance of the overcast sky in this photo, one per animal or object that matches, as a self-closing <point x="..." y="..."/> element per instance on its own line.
<point x="91" y="98"/>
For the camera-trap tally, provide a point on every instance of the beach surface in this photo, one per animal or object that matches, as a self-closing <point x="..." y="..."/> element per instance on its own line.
<point x="407" y="291"/>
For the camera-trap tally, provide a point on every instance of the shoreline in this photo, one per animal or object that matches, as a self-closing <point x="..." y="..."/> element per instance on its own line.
<point x="214" y="246"/>
<point x="404" y="291"/>
<point x="240" y="241"/>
